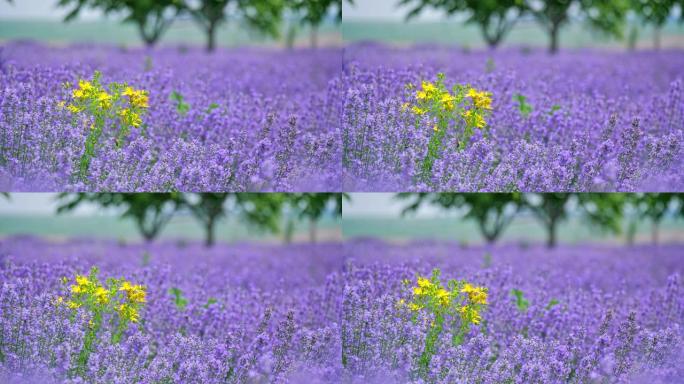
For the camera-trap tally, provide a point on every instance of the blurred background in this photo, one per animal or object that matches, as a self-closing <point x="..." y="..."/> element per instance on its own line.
<point x="551" y="219"/>
<point x="268" y="23"/>
<point x="207" y="217"/>
<point x="614" y="24"/>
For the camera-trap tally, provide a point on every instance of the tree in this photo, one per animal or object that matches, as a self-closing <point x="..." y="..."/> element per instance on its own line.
<point x="262" y="15"/>
<point x="493" y="212"/>
<point x="494" y="17"/>
<point x="150" y="211"/>
<point x="312" y="207"/>
<point x="601" y="210"/>
<point x="261" y="211"/>
<point x="549" y="209"/>
<point x="653" y="206"/>
<point x="311" y="13"/>
<point x="655" y="13"/>
<point x="151" y="17"/>
<point x="606" y="16"/>
<point x="604" y="211"/>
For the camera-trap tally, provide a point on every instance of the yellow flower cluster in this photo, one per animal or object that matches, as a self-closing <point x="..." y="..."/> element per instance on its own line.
<point x="129" y="117"/>
<point x="115" y="100"/>
<point x="117" y="296"/>
<point x="426" y="290"/>
<point x="137" y="98"/>
<point x="457" y="307"/>
<point x="481" y="99"/>
<point x="459" y="298"/>
<point x="462" y="103"/>
<point x="476" y="297"/>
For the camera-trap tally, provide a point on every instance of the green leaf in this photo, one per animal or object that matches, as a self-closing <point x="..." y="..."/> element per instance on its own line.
<point x="210" y="301"/>
<point x="520" y="300"/>
<point x="178" y="298"/>
<point x="523" y="106"/>
<point x="181" y="106"/>
<point x="551" y="304"/>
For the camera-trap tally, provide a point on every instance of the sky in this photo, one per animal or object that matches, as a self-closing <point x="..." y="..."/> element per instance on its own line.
<point x="381" y="10"/>
<point x="361" y="205"/>
<point x="47" y="10"/>
<point x="41" y="204"/>
<point x="39" y="9"/>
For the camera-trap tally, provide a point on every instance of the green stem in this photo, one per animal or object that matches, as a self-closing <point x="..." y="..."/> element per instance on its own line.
<point x="434" y="147"/>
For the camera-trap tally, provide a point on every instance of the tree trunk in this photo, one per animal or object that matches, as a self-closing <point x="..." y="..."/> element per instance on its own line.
<point x="289" y="231"/>
<point x="492" y="41"/>
<point x="314" y="36"/>
<point x="551" y="239"/>
<point x="631" y="232"/>
<point x="655" y="227"/>
<point x="211" y="37"/>
<point x="290" y="36"/>
<point x="633" y="37"/>
<point x="312" y="230"/>
<point x="492" y="44"/>
<point x="148" y="237"/>
<point x="656" y="37"/>
<point x="209" y="227"/>
<point x="553" y="34"/>
<point x="150" y="43"/>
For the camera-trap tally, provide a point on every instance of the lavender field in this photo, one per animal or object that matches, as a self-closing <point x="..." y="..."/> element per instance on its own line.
<point x="229" y="314"/>
<point x="583" y="120"/>
<point x="244" y="119"/>
<point x="576" y="314"/>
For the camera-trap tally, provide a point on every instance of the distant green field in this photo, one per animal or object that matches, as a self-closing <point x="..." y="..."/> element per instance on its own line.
<point x="524" y="33"/>
<point x="180" y="227"/>
<point x="110" y="32"/>
<point x="522" y="229"/>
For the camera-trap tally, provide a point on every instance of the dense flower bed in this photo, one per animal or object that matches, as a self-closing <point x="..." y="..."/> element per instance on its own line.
<point x="235" y="314"/>
<point x="237" y="120"/>
<point x="577" y="121"/>
<point x="576" y="314"/>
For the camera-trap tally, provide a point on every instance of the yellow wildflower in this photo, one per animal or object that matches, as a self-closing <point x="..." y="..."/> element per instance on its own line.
<point x="418" y="111"/>
<point x="428" y="86"/>
<point x="137" y="294"/>
<point x="424" y="283"/>
<point x="129" y="117"/>
<point x="443" y="296"/>
<point x="447" y="100"/>
<point x="421" y="95"/>
<point x="474" y="119"/>
<point x="415" y="307"/>
<point x="85" y="86"/>
<point x="102" y="295"/>
<point x="73" y="109"/>
<point x="481" y="99"/>
<point x="76" y="289"/>
<point x="475" y="317"/>
<point x="105" y="99"/>
<point x="418" y="291"/>
<point x="137" y="98"/>
<point x="126" y="286"/>
<point x="404" y="107"/>
<point x="82" y="280"/>
<point x="128" y="313"/>
<point x="477" y="295"/>
<point x="73" y="304"/>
